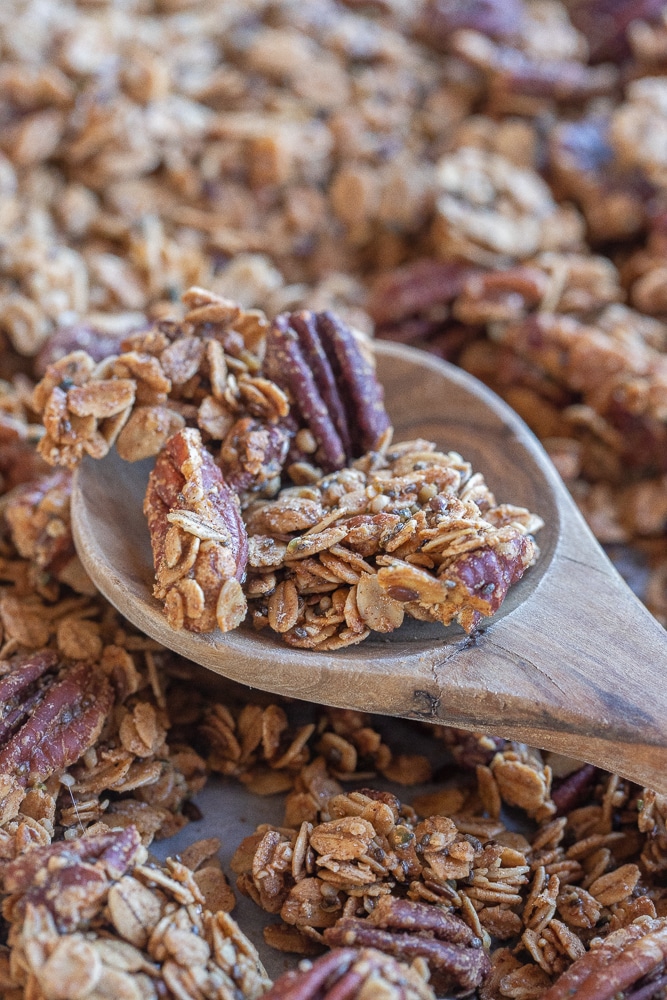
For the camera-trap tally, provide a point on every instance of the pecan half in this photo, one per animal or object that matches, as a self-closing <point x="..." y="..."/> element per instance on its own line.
<point x="318" y="360"/>
<point x="22" y="688"/>
<point x="345" y="974"/>
<point x="626" y="958"/>
<point x="200" y="546"/>
<point x="408" y="930"/>
<point x="46" y="732"/>
<point x="70" y="878"/>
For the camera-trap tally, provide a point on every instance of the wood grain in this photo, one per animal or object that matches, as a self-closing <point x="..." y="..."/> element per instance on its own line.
<point x="572" y="662"/>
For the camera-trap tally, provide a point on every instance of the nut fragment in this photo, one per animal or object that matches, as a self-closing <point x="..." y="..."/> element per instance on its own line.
<point x="92" y="911"/>
<point x="320" y="362"/>
<point x="62" y="719"/>
<point x="407" y="930"/>
<point x="199" y="541"/>
<point x="346" y="972"/>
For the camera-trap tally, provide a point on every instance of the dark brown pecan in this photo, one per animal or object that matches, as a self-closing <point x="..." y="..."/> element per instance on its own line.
<point x="573" y="790"/>
<point x="200" y="545"/>
<point x="482" y="578"/>
<point x="626" y="958"/>
<point x="38" y="515"/>
<point x="565" y="80"/>
<point x="605" y="23"/>
<point x="362" y="394"/>
<point x="331" y="382"/>
<point x="99" y="344"/>
<point x="511" y="71"/>
<point x="404" y="915"/>
<point x="70" y="878"/>
<point x="62" y="724"/>
<point x="309" y="330"/>
<point x="408" y="930"/>
<point x="468" y="588"/>
<point x="22" y="689"/>
<point x="285" y="363"/>
<point x="253" y="455"/>
<point x="346" y="973"/>
<point x="470" y="749"/>
<point x="19" y="462"/>
<point x="495" y="18"/>
<point x="415" y="289"/>
<point x="644" y="438"/>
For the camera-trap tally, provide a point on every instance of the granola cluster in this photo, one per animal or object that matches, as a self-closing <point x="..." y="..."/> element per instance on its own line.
<point x="96" y="918"/>
<point x="484" y="180"/>
<point x="352" y="974"/>
<point x="392" y="529"/>
<point x="405" y="530"/>
<point x="445" y="878"/>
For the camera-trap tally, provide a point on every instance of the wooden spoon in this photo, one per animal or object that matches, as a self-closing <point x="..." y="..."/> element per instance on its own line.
<point x="572" y="662"/>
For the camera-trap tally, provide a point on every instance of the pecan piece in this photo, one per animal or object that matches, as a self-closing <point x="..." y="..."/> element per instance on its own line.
<point x="483" y="578"/>
<point x="38" y="515"/>
<point x="200" y="546"/>
<point x="416" y="289"/>
<point x="59" y="729"/>
<point x="97" y="343"/>
<point x="252" y="456"/>
<point x="319" y="362"/>
<point x="624" y="959"/>
<point x="408" y="930"/>
<point x="495" y="18"/>
<point x="472" y="586"/>
<point x="574" y="789"/>
<point x="605" y="23"/>
<point x="22" y="689"/>
<point x="71" y="879"/>
<point x="346" y="973"/>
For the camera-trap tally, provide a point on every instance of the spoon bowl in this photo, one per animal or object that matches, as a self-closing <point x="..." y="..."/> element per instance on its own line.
<point x="572" y="662"/>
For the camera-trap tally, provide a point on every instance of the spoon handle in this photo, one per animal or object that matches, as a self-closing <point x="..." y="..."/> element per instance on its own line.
<point x="580" y="667"/>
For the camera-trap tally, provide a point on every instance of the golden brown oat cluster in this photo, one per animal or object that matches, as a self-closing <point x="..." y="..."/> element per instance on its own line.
<point x="486" y="181"/>
<point x="94" y="917"/>
<point x="372" y="531"/>
<point x="407" y="530"/>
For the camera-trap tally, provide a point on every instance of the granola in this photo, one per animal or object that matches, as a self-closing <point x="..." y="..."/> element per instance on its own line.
<point x="291" y="157"/>
<point x="354" y="974"/>
<point x="407" y="529"/>
<point x="402" y="529"/>
<point x="198" y="538"/>
<point x="95" y="916"/>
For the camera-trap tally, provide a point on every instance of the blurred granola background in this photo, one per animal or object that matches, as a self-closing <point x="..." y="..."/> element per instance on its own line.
<point x="484" y="179"/>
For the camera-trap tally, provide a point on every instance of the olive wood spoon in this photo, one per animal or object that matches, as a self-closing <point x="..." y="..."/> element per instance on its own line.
<point x="572" y="662"/>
